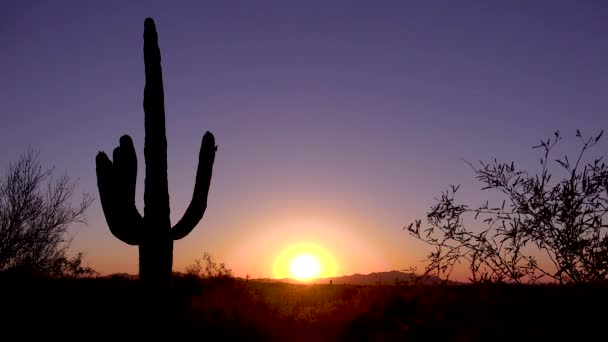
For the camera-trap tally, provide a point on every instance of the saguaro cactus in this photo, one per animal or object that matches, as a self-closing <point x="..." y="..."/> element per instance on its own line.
<point x="116" y="181"/>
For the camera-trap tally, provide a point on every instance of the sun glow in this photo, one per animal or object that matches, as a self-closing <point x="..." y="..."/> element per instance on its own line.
<point x="305" y="261"/>
<point x="305" y="266"/>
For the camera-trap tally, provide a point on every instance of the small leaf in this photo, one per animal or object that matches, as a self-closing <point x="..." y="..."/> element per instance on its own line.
<point x="599" y="136"/>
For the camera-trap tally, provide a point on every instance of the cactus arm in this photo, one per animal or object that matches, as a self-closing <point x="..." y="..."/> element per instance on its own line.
<point x="198" y="204"/>
<point x="124" y="222"/>
<point x="125" y="169"/>
<point x="125" y="178"/>
<point x="156" y="193"/>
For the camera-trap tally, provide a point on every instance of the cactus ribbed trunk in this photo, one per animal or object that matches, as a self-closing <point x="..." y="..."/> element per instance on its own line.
<point x="116" y="181"/>
<point x="156" y="260"/>
<point x="156" y="247"/>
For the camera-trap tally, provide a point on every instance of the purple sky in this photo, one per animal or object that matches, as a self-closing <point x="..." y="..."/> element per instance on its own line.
<point x="336" y="124"/>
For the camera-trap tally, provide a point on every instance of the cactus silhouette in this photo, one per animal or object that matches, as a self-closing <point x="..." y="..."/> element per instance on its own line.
<point x="116" y="181"/>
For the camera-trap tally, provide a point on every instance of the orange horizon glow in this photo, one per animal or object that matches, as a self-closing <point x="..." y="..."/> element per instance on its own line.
<point x="341" y="234"/>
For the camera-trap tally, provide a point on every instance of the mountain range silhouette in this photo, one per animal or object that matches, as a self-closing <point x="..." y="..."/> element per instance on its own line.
<point x="375" y="278"/>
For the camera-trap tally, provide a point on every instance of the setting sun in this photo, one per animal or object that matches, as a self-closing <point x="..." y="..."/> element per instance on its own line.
<point x="305" y="266"/>
<point x="305" y="261"/>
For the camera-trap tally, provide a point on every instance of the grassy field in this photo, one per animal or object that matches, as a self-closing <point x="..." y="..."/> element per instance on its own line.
<point x="229" y="309"/>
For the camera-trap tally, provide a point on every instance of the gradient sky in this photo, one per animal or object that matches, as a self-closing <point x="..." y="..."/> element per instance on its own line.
<point x="337" y="121"/>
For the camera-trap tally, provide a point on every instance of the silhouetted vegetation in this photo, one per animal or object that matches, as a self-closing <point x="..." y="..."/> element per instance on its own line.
<point x="561" y="221"/>
<point x="234" y="309"/>
<point x="206" y="268"/>
<point x="35" y="214"/>
<point x="116" y="181"/>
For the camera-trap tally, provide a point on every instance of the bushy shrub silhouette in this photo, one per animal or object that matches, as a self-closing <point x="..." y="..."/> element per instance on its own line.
<point x="116" y="181"/>
<point x="207" y="268"/>
<point x="35" y="214"/>
<point x="562" y="220"/>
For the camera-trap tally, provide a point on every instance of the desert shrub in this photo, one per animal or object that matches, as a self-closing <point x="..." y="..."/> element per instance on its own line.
<point x="207" y="268"/>
<point x="560" y="219"/>
<point x="35" y="213"/>
<point x="73" y="268"/>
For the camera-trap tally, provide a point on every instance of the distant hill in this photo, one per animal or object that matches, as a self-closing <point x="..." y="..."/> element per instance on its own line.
<point x="121" y="275"/>
<point x="375" y="278"/>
